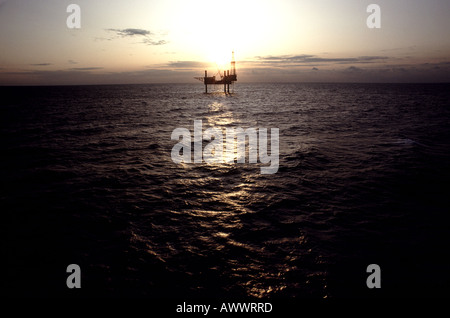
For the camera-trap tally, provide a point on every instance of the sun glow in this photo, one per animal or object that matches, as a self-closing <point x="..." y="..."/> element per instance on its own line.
<point x="220" y="59"/>
<point x="212" y="29"/>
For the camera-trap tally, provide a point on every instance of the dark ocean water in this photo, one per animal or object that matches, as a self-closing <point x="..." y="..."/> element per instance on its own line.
<point x="87" y="178"/>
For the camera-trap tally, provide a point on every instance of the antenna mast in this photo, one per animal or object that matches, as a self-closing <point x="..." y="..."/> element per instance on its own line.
<point x="233" y="64"/>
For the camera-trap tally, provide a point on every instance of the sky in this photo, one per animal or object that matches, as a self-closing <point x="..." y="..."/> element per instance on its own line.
<point x="171" y="41"/>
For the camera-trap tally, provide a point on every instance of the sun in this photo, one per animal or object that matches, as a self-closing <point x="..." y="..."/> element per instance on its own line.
<point x="220" y="59"/>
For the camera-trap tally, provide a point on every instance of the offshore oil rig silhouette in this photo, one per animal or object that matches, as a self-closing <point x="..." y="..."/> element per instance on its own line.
<point x="228" y="77"/>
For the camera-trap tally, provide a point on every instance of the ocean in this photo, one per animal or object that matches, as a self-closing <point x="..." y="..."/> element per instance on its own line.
<point x="363" y="178"/>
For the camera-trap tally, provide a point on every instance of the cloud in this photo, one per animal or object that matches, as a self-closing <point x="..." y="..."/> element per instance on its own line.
<point x="41" y="64"/>
<point x="315" y="69"/>
<point x="304" y="59"/>
<point x="153" y="42"/>
<point x="130" y="32"/>
<point x="353" y="69"/>
<point x="86" y="68"/>
<point x="186" y="64"/>
<point x="406" y="49"/>
<point x="148" y="37"/>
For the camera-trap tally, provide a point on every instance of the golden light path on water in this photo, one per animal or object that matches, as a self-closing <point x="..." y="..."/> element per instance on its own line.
<point x="231" y="206"/>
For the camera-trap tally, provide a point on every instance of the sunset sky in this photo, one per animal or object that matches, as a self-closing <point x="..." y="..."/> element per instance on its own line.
<point x="164" y="41"/>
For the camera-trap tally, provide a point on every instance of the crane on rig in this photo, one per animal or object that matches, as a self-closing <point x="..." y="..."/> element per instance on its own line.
<point x="229" y="77"/>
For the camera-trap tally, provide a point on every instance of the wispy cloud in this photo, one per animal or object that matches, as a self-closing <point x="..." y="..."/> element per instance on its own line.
<point x="153" y="42"/>
<point x="41" y="64"/>
<point x="353" y="69"/>
<point x="147" y="36"/>
<point x="130" y="32"/>
<point x="86" y="68"/>
<point x="304" y="59"/>
<point x="186" y="64"/>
